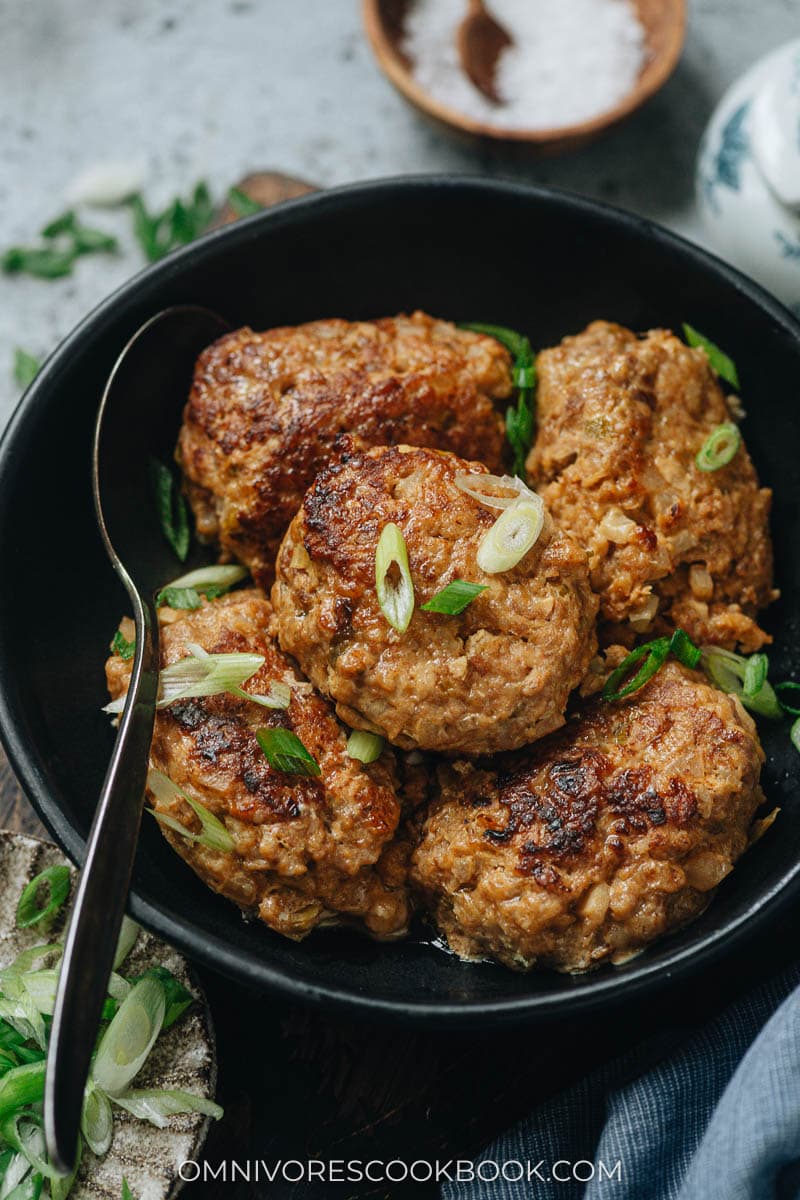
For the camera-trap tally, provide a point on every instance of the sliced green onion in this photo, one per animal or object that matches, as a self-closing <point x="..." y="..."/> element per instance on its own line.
<point x="41" y="987"/>
<point x="365" y="746"/>
<point x="129" y="932"/>
<point x="278" y="697"/>
<point x="130" y="1037"/>
<point x="788" y="686"/>
<point x="512" y="536"/>
<point x="171" y="507"/>
<point x="17" y="1173"/>
<point x="23" y="1132"/>
<point x="731" y="672"/>
<point x="26" y="367"/>
<point x="194" y="676"/>
<point x="485" y="488"/>
<point x="214" y="835"/>
<point x="118" y="987"/>
<point x="654" y="653"/>
<point x="794" y="734"/>
<point x="720" y="362"/>
<point x="150" y="1104"/>
<point x="454" y="598"/>
<point x="213" y="581"/>
<point x="684" y="649"/>
<point x="177" y="996"/>
<point x="396" y="599"/>
<point x="186" y="599"/>
<point x="25" y="961"/>
<point x="24" y="1085"/>
<point x="284" y="751"/>
<point x="720" y="447"/>
<point x="517" y="344"/>
<point x="121" y="646"/>
<point x="127" y="1194"/>
<point x="33" y="911"/>
<point x="97" y="1120"/>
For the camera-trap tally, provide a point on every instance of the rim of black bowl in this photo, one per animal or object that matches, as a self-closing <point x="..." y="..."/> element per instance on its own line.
<point x="579" y="993"/>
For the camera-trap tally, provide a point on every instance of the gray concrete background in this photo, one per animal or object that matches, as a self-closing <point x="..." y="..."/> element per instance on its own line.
<point x="216" y="88"/>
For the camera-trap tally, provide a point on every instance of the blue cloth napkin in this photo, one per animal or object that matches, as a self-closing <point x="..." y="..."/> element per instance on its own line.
<point x="718" y="1118"/>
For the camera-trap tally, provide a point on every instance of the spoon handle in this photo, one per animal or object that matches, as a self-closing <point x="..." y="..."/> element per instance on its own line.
<point x="99" y="906"/>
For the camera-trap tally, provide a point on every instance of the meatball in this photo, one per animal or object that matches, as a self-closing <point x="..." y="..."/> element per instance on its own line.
<point x="266" y="409"/>
<point x="587" y="846"/>
<point x="621" y="419"/>
<point x="307" y="851"/>
<point x="492" y="678"/>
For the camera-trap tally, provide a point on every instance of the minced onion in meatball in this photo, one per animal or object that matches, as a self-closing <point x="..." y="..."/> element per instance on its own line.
<point x="307" y="851"/>
<point x="492" y="678"/>
<point x="620" y="422"/>
<point x="610" y="833"/>
<point x="266" y="410"/>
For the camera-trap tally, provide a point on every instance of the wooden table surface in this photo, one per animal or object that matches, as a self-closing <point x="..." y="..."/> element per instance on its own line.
<point x="298" y="1084"/>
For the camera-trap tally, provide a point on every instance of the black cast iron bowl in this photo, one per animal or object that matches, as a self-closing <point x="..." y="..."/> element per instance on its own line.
<point x="541" y="261"/>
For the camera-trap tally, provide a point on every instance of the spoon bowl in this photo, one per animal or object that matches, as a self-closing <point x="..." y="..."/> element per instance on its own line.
<point x="664" y="22"/>
<point x="137" y="422"/>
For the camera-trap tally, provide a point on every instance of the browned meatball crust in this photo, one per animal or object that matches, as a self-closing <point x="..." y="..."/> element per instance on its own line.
<point x="587" y="846"/>
<point x="307" y="851"/>
<point x="492" y="678"/>
<point x="620" y="421"/>
<point x="266" y="409"/>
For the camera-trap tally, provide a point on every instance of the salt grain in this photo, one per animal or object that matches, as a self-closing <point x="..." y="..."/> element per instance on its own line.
<point x="572" y="59"/>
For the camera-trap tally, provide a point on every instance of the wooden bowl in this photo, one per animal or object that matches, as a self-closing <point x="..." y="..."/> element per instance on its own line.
<point x="664" y="22"/>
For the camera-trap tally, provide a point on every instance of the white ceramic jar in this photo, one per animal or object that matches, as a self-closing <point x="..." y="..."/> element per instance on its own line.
<point x="748" y="174"/>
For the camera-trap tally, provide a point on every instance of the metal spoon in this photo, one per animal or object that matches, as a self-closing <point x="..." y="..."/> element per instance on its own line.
<point x="138" y="420"/>
<point x="481" y="40"/>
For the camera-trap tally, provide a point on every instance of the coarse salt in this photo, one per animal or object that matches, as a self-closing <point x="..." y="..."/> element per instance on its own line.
<point x="572" y="60"/>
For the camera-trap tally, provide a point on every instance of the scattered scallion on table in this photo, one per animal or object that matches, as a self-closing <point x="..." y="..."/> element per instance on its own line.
<point x="26" y="367"/>
<point x="178" y="224"/>
<point x="64" y="240"/>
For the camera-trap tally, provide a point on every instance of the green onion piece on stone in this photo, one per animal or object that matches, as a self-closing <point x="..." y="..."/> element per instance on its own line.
<point x="149" y="1104"/>
<point x="130" y="1037"/>
<point x="454" y="598"/>
<point x="97" y="1120"/>
<point x="724" y="366"/>
<point x="365" y="746"/>
<point x="32" y="910"/>
<point x="720" y="447"/>
<point x="513" y="534"/>
<point x="284" y="751"/>
<point x="395" y="595"/>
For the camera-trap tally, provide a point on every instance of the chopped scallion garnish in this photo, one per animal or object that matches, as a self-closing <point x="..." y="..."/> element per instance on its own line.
<point x="180" y="223"/>
<point x="519" y="418"/>
<point x="719" y="448"/>
<point x="724" y="366"/>
<point x="364" y="746"/>
<point x="155" y="1106"/>
<point x="454" y="598"/>
<point x="121" y="646"/>
<point x="744" y="678"/>
<point x="789" y="687"/>
<point x="284" y="751"/>
<point x="393" y="582"/>
<point x="212" y="581"/>
<point x="513" y="535"/>
<point x="652" y="655"/>
<point x="794" y="734"/>
<point x="683" y="648"/>
<point x="493" y="491"/>
<point x="43" y="897"/>
<point x="214" y="835"/>
<point x="171" y="507"/>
